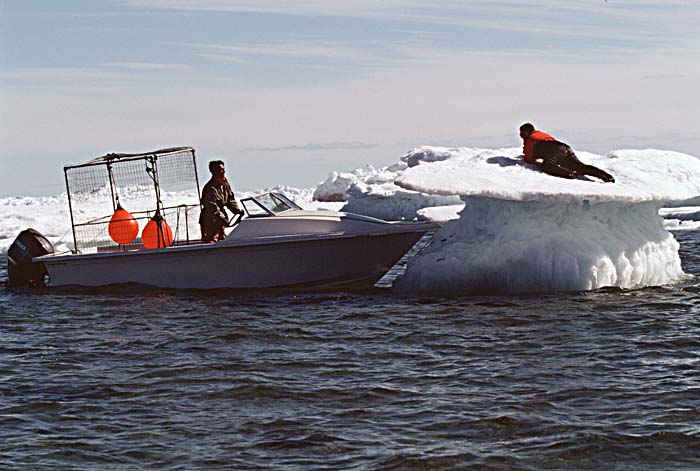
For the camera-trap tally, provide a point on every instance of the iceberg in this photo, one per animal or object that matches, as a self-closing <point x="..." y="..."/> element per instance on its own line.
<point x="681" y="218"/>
<point x="393" y="203"/>
<point x="338" y="184"/>
<point x="523" y="231"/>
<point x="372" y="191"/>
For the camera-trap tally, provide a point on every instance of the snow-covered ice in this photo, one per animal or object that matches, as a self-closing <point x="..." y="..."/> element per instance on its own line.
<point x="681" y="218"/>
<point x="338" y="184"/>
<point x="523" y="231"/>
<point x="372" y="191"/>
<point x="394" y="203"/>
<point x="641" y="175"/>
<point x="440" y="214"/>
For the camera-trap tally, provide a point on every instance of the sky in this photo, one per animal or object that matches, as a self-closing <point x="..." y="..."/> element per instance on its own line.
<point x="287" y="91"/>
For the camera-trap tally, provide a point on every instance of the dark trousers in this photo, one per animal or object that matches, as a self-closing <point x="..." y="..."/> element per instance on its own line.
<point x="560" y="161"/>
<point x="212" y="234"/>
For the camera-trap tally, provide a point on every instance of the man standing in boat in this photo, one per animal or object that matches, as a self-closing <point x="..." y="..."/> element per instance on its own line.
<point x="216" y="196"/>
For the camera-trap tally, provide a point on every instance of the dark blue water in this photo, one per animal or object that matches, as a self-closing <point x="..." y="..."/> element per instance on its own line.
<point x="608" y="380"/>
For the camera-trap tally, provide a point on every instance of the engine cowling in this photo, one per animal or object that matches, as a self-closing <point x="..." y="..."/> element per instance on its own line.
<point x="22" y="271"/>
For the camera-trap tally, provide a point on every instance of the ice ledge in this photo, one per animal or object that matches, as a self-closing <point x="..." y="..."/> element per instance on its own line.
<point x="641" y="175"/>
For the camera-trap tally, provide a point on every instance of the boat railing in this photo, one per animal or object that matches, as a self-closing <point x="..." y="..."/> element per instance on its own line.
<point x="143" y="185"/>
<point x="183" y="219"/>
<point x="93" y="235"/>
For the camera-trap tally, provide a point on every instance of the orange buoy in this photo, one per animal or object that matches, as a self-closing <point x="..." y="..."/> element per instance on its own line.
<point x="157" y="233"/>
<point x="123" y="228"/>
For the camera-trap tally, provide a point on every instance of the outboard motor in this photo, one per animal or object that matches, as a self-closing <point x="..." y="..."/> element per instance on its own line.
<point x="21" y="270"/>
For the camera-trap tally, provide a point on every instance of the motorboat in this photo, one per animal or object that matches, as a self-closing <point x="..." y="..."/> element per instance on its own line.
<point x="275" y="244"/>
<point x="286" y="247"/>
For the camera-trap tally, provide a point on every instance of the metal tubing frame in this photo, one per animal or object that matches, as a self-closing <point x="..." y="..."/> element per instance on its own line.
<point x="70" y="210"/>
<point x="111" y="184"/>
<point x="148" y="156"/>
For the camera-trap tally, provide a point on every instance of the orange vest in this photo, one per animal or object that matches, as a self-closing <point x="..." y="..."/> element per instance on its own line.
<point x="529" y="144"/>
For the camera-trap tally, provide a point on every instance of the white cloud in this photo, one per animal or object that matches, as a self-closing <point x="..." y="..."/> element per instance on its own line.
<point x="146" y="66"/>
<point x="59" y="74"/>
<point x="294" y="49"/>
<point x="670" y="23"/>
<point x="318" y="146"/>
<point x="361" y="8"/>
<point x="111" y="73"/>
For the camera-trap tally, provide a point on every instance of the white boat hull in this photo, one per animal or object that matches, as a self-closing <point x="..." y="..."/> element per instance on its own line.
<point x="311" y="263"/>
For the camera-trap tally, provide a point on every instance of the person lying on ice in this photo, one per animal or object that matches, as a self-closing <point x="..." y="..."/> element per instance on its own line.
<point x="557" y="158"/>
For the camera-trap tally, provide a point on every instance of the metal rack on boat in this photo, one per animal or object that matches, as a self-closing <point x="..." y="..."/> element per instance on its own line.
<point x="163" y="183"/>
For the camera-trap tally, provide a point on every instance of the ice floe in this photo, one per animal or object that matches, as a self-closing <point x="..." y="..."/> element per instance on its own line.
<point x="523" y="231"/>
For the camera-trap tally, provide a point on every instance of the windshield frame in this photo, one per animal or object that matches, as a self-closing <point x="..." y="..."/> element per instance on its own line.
<point x="283" y="205"/>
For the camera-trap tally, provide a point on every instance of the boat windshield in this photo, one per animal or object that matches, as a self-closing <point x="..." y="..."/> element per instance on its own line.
<point x="269" y="204"/>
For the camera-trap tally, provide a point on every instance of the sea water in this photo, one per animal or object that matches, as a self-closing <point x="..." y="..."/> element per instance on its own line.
<point x="154" y="379"/>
